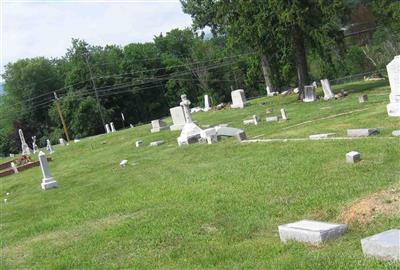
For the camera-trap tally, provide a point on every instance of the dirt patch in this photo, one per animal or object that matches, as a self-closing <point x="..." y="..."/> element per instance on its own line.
<point x="364" y="210"/>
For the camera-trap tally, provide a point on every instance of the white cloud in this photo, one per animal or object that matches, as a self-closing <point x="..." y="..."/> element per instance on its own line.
<point x="46" y="29"/>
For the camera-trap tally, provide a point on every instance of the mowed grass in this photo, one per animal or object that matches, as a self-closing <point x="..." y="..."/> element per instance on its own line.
<point x="207" y="206"/>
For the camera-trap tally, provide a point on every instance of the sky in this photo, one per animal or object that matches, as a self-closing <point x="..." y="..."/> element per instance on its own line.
<point x="31" y="28"/>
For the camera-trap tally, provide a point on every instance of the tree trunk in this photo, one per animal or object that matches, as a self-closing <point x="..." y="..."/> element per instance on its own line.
<point x="301" y="61"/>
<point x="266" y="68"/>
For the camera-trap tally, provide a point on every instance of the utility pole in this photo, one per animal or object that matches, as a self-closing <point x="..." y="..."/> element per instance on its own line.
<point x="95" y="89"/>
<point x="61" y="116"/>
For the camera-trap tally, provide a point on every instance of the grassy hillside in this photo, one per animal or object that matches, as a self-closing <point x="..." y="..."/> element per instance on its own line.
<point x="207" y="206"/>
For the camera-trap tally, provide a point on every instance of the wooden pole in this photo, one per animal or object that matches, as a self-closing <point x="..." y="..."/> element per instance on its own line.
<point x="61" y="116"/>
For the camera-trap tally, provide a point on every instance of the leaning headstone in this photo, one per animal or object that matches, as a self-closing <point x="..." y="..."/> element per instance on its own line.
<point x="362" y="132"/>
<point x="138" y="143"/>
<point x="309" y="93"/>
<point x="112" y="127"/>
<point x="284" y="114"/>
<point x="385" y="245"/>
<point x="49" y="147"/>
<point x="178" y="118"/>
<point x="108" y="130"/>
<point x="207" y="103"/>
<point x="312" y="232"/>
<point x="48" y="181"/>
<point x="363" y="98"/>
<point x="24" y="146"/>
<point x="321" y="136"/>
<point x="393" y="69"/>
<point x="396" y="133"/>
<point x="270" y="93"/>
<point x="209" y="135"/>
<point x="62" y="142"/>
<point x="158" y="125"/>
<point x="353" y="157"/>
<point x="34" y="145"/>
<point x="157" y="143"/>
<point x="238" y="99"/>
<point x="14" y="167"/>
<point x="131" y="125"/>
<point x="272" y="119"/>
<point x="190" y="131"/>
<point x="326" y="87"/>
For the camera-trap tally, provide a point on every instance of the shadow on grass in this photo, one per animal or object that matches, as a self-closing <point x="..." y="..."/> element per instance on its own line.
<point x="362" y="86"/>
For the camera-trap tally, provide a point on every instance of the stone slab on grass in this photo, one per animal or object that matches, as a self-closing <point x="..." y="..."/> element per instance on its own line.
<point x="322" y="136"/>
<point x="156" y="143"/>
<point x="353" y="157"/>
<point x="362" y="132"/>
<point x="396" y="133"/>
<point x="309" y="231"/>
<point x="385" y="245"/>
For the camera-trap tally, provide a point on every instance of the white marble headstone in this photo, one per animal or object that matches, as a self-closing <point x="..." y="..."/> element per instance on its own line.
<point x="326" y="87"/>
<point x="309" y="93"/>
<point x="178" y="118"/>
<point x="393" y="69"/>
<point x="238" y="99"/>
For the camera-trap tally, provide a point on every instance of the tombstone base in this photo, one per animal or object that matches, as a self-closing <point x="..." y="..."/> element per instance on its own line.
<point x="176" y="127"/>
<point x="49" y="183"/>
<point x="393" y="109"/>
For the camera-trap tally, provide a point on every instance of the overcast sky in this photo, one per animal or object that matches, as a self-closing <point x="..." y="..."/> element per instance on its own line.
<point x="45" y="28"/>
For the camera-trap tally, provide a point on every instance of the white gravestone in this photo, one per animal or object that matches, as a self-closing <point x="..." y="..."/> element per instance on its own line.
<point x="108" y="128"/>
<point x="385" y="245"/>
<point x="396" y="133"/>
<point x="138" y="143"/>
<point x="322" y="136"/>
<point x="112" y="127"/>
<point x="326" y="87"/>
<point x="178" y="118"/>
<point x="308" y="231"/>
<point x="284" y="114"/>
<point x="272" y="119"/>
<point x="309" y="94"/>
<point x="24" y="146"/>
<point x="190" y="132"/>
<point x="393" y="69"/>
<point x="253" y="121"/>
<point x="353" y="157"/>
<point x="363" y="98"/>
<point x="34" y="145"/>
<point x="158" y="125"/>
<point x="62" y="142"/>
<point x="48" y="181"/>
<point x="14" y="167"/>
<point x="157" y="143"/>
<point x="362" y="132"/>
<point x="238" y="99"/>
<point x="49" y="147"/>
<point x="207" y="103"/>
<point x="209" y="135"/>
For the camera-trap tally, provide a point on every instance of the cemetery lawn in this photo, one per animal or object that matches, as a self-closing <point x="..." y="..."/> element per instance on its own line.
<point x="209" y="206"/>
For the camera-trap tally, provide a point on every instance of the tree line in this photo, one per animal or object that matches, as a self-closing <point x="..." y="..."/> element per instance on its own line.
<point x="252" y="45"/>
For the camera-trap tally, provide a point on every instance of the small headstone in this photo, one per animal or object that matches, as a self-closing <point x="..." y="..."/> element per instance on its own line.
<point x="196" y="109"/>
<point x="156" y="143"/>
<point x="14" y="167"/>
<point x="363" y="98"/>
<point x="112" y="127"/>
<point x="314" y="84"/>
<point x="396" y="133"/>
<point x="220" y="106"/>
<point x="209" y="135"/>
<point x="309" y="94"/>
<point x="271" y="93"/>
<point x="123" y="163"/>
<point x="138" y="143"/>
<point x="76" y="140"/>
<point x="49" y="147"/>
<point x="108" y="130"/>
<point x="238" y="99"/>
<point x="131" y="125"/>
<point x="326" y="87"/>
<point x="385" y="245"/>
<point x="362" y="132"/>
<point x="158" y="125"/>
<point x="48" y="181"/>
<point x="393" y="70"/>
<point x="322" y="136"/>
<point x="353" y="157"/>
<point x="269" y="111"/>
<point x="272" y="119"/>
<point x="178" y="118"/>
<point x="62" y="142"/>
<point x="253" y="121"/>
<point x="207" y="103"/>
<point x="284" y="114"/>
<point x="308" y="231"/>
<point x="34" y="145"/>
<point x="12" y="155"/>
<point x="296" y="90"/>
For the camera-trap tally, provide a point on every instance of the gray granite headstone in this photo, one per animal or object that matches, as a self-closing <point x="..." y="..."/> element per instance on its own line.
<point x="385" y="245"/>
<point x="362" y="132"/>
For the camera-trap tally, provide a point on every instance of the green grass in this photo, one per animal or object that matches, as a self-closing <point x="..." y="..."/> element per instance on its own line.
<point x="206" y="206"/>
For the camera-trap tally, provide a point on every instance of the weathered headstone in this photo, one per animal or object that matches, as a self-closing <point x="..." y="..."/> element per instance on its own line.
<point x="14" y="167"/>
<point x="178" y="118"/>
<point x="309" y="93"/>
<point x="393" y="69"/>
<point x="112" y="127"/>
<point x="209" y="135"/>
<point x="24" y="146"/>
<point x="385" y="245"/>
<point x="362" y="132"/>
<point x="253" y="121"/>
<point x="157" y="143"/>
<point x="353" y="157"/>
<point x="207" y="103"/>
<point x="272" y="119"/>
<point x="231" y="132"/>
<point x="138" y="143"/>
<point x="62" y="142"/>
<point x="270" y="93"/>
<point x="108" y="128"/>
<point x="363" y="98"/>
<point x="190" y="132"/>
<point x="308" y="231"/>
<point x="131" y="125"/>
<point x="396" y="133"/>
<point x="49" y="147"/>
<point x="48" y="181"/>
<point x="321" y="136"/>
<point x="238" y="99"/>
<point x="326" y="87"/>
<point x="284" y="114"/>
<point x="34" y="145"/>
<point x="158" y="125"/>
